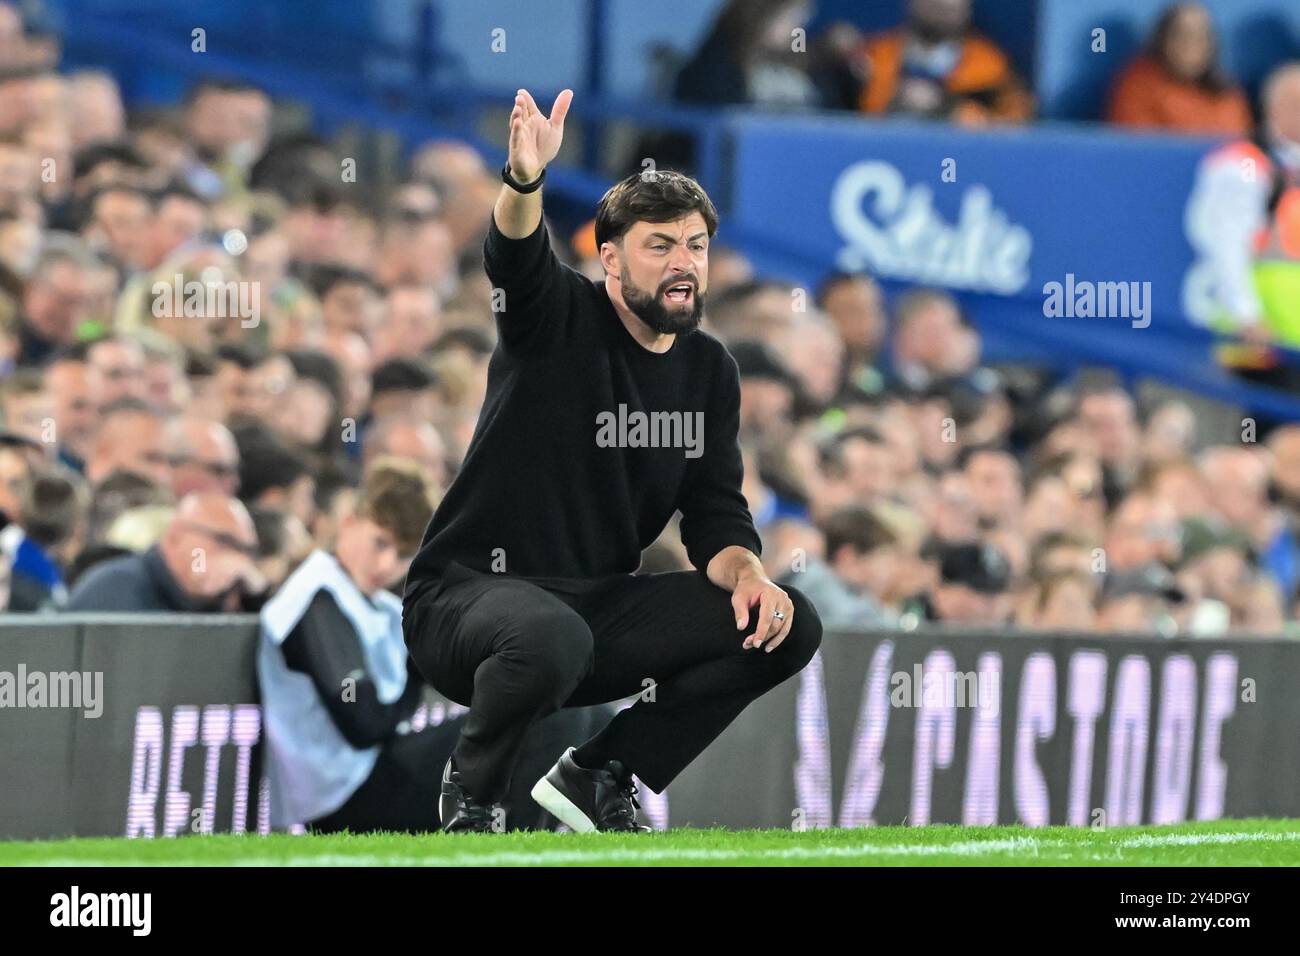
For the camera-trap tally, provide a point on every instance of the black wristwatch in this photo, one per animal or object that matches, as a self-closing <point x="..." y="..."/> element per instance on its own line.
<point x="519" y="187"/>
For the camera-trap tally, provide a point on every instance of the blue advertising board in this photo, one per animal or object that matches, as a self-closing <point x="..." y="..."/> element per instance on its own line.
<point x="1015" y="221"/>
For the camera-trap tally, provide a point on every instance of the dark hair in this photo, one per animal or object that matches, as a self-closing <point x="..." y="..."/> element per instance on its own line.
<point x="755" y="360"/>
<point x="738" y="29"/>
<point x="651" y="196"/>
<point x="465" y="337"/>
<point x="397" y="496"/>
<point x="178" y="189"/>
<point x="88" y="157"/>
<point x="300" y="169"/>
<point x="402" y="375"/>
<point x="837" y="278"/>
<point x="219" y="84"/>
<point x="319" y="367"/>
<point x="741" y="291"/>
<point x="265" y="461"/>
<point x="857" y="527"/>
<point x="830" y="454"/>
<point x="119" y="491"/>
<point x="239" y="354"/>
<point x="322" y="279"/>
<point x="272" y="534"/>
<point x="200" y="364"/>
<point x="55" y="500"/>
<point x="155" y="120"/>
<point x="313" y="190"/>
<point x="333" y="476"/>
<point x="971" y="452"/>
<point x="72" y="352"/>
<point x="470" y="261"/>
<point x="1214" y="79"/>
<point x="86" y="207"/>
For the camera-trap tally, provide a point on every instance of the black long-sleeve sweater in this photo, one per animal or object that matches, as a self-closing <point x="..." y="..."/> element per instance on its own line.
<point x="543" y="492"/>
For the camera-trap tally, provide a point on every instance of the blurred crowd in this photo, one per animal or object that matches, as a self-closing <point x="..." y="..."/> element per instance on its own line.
<point x="936" y="64"/>
<point x="207" y="341"/>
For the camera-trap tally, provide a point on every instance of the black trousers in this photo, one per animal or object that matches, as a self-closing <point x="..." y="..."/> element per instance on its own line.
<point x="515" y="650"/>
<point x="401" y="793"/>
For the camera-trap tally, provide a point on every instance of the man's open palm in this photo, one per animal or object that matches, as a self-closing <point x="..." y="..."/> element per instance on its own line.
<point x="535" y="139"/>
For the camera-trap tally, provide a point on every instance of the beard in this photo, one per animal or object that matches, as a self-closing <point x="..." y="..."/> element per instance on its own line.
<point x="651" y="310"/>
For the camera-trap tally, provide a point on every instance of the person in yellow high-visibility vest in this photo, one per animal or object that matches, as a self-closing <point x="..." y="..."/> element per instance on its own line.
<point x="1248" y="194"/>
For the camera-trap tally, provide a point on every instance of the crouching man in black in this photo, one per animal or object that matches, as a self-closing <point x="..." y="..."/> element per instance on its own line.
<point x="606" y="412"/>
<point x="339" y="696"/>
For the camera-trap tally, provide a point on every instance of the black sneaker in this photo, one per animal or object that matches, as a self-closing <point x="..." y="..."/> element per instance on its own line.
<point x="587" y="800"/>
<point x="459" y="812"/>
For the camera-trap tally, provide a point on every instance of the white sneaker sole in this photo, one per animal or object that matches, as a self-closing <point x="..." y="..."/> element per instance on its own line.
<point x="561" y="807"/>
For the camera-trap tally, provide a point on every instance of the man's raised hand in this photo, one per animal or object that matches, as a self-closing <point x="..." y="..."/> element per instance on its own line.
<point x="535" y="139"/>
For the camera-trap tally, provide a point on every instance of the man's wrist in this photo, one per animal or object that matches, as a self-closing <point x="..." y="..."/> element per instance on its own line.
<point x="522" y="180"/>
<point x="736" y="564"/>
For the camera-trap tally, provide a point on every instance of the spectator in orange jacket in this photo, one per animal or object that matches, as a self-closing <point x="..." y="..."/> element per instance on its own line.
<point x="936" y="65"/>
<point x="1177" y="84"/>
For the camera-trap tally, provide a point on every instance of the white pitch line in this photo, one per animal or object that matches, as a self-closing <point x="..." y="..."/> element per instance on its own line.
<point x="596" y="857"/>
<point x="1195" y="839"/>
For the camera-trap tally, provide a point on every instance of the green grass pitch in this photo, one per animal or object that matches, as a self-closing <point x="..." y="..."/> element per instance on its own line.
<point x="1220" y="843"/>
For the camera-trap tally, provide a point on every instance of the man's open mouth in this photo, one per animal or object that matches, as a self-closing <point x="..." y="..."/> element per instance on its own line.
<point x="681" y="292"/>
